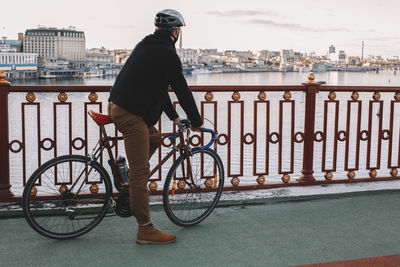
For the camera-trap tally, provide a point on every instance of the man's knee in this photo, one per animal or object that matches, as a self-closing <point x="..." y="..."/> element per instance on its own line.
<point x="140" y="177"/>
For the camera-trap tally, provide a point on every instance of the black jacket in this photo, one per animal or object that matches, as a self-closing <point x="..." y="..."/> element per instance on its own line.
<point x="142" y="85"/>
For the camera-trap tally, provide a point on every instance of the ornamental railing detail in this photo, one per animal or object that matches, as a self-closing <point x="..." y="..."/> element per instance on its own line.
<point x="269" y="136"/>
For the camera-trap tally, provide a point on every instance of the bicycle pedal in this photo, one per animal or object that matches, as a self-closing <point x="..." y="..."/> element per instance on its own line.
<point x="111" y="205"/>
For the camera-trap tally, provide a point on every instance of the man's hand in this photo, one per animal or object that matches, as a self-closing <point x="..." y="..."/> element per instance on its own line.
<point x="177" y="120"/>
<point x="195" y="129"/>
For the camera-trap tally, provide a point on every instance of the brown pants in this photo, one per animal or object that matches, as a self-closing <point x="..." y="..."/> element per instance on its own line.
<point x="139" y="148"/>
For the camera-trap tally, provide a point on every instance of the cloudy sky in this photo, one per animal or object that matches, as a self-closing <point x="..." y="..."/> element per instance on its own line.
<point x="302" y="25"/>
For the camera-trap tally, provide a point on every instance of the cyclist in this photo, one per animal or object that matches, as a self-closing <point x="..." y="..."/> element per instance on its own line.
<point x="137" y="100"/>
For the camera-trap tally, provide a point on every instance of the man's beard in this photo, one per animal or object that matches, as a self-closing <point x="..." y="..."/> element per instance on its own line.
<point x="175" y="38"/>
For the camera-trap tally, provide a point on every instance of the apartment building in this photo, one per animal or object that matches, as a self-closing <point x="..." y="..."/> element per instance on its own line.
<point x="52" y="44"/>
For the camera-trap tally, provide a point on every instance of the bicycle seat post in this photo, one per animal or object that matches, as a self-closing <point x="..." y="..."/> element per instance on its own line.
<point x="101" y="120"/>
<point x="103" y="131"/>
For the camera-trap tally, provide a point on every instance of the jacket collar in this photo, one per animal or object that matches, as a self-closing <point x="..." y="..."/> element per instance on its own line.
<point x="164" y="35"/>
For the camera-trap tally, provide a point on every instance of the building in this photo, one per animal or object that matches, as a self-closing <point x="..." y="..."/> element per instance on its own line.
<point x="15" y="64"/>
<point x="100" y="62"/>
<point x="342" y="57"/>
<point x="210" y="59"/>
<point x="332" y="49"/>
<point x="298" y="56"/>
<point x="209" y="56"/>
<point x="15" y="44"/>
<point x="188" y="56"/>
<point x="204" y="52"/>
<point x="18" y="61"/>
<point x="274" y="54"/>
<point x="353" y="61"/>
<point x="264" y="55"/>
<point x="52" y="44"/>
<point x="242" y="56"/>
<point x="312" y="55"/>
<point x="120" y="55"/>
<point x="287" y="56"/>
<point x="100" y="55"/>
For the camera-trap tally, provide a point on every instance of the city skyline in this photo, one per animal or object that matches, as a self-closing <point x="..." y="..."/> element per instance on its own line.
<point x="303" y="26"/>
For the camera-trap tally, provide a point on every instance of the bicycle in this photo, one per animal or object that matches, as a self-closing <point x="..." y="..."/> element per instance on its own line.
<point x="69" y="195"/>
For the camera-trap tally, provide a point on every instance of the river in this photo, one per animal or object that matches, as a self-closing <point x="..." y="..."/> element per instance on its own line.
<point x="383" y="78"/>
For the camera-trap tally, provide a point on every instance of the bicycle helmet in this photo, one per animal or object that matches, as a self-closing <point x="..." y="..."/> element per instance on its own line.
<point x="169" y="18"/>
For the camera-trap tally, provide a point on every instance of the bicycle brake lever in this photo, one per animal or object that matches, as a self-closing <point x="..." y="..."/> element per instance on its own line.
<point x="216" y="137"/>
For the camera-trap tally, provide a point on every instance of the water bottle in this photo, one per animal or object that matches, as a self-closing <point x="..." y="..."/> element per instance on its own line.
<point x="122" y="169"/>
<point x="123" y="208"/>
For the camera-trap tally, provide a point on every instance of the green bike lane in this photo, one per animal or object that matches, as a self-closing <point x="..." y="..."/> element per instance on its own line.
<point x="278" y="232"/>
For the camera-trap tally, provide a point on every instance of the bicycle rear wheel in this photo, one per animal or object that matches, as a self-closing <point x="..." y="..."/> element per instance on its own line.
<point x="66" y="197"/>
<point x="189" y="199"/>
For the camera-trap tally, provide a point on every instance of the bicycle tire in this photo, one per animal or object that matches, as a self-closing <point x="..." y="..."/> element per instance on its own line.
<point x="56" y="209"/>
<point x="189" y="206"/>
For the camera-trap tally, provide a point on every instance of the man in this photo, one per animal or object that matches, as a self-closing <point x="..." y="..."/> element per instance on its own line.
<point x="137" y="100"/>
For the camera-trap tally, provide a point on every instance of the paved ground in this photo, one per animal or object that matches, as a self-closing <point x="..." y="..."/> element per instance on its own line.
<point x="275" y="233"/>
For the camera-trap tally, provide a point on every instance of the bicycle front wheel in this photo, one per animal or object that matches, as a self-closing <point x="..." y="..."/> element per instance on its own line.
<point x="193" y="187"/>
<point x="66" y="197"/>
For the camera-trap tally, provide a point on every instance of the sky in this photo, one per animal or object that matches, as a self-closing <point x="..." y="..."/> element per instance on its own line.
<point x="301" y="25"/>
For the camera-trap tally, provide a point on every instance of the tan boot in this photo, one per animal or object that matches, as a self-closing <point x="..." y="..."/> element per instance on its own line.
<point x="150" y="235"/>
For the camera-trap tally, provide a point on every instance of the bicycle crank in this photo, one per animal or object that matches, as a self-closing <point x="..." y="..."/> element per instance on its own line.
<point x="71" y="213"/>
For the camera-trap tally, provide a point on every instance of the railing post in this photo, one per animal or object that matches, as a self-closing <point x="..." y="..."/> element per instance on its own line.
<point x="312" y="89"/>
<point x="5" y="192"/>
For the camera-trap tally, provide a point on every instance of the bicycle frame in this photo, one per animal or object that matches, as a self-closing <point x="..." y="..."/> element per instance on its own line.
<point x="104" y="143"/>
<point x="75" y="202"/>
<point x="183" y="147"/>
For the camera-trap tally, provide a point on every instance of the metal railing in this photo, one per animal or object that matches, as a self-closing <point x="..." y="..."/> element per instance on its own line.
<point x="293" y="131"/>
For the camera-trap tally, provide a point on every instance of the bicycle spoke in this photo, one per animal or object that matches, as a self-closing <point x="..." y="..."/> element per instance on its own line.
<point x="55" y="210"/>
<point x="191" y="205"/>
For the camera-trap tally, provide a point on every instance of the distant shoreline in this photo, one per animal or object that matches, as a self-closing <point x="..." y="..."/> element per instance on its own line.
<point x="383" y="78"/>
<point x="201" y="72"/>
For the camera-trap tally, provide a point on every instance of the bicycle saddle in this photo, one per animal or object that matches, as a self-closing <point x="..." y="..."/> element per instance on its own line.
<point x="100" y="119"/>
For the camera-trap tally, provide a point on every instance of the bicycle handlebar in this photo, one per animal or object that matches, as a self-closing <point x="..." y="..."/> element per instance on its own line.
<point x="185" y="124"/>
<point x="213" y="138"/>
